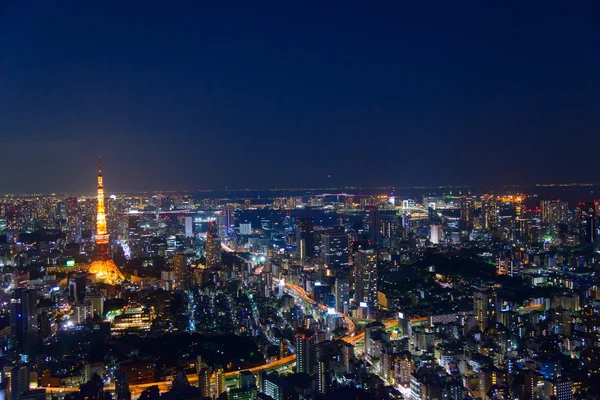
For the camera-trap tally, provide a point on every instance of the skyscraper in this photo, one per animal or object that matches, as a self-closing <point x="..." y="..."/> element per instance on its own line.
<point x="73" y="220"/>
<point x="365" y="265"/>
<point x="226" y="221"/>
<point x="213" y="247"/>
<point x="306" y="351"/>
<point x="182" y="272"/>
<point x="342" y="295"/>
<point x="334" y="252"/>
<point x="554" y="212"/>
<point x="24" y="321"/>
<point x="371" y="223"/>
<point x="485" y="307"/>
<point x="219" y="380"/>
<point x="188" y="227"/>
<point x="490" y="213"/>
<point x="586" y="222"/>
<point x="467" y="213"/>
<point x="19" y="381"/>
<point x="436" y="233"/>
<point x="204" y="375"/>
<point x="305" y="237"/>
<point x="102" y="265"/>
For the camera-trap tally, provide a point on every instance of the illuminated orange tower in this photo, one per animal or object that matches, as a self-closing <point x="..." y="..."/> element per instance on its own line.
<point x="103" y="266"/>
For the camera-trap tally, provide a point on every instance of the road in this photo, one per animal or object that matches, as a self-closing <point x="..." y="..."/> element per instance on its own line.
<point x="231" y="377"/>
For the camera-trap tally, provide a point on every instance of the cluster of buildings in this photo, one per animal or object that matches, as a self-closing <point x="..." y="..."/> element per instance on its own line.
<point x="454" y="296"/>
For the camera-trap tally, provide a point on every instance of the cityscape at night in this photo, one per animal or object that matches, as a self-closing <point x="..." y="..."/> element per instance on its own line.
<point x="207" y="201"/>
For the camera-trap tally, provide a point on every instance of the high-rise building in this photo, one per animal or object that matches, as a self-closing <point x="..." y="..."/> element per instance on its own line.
<point x="485" y="307"/>
<point x="372" y="330"/>
<point x="103" y="265"/>
<point x="19" y="382"/>
<point x="342" y="295"/>
<point x="372" y="224"/>
<point x="554" y="212"/>
<point x="96" y="304"/>
<point x="219" y="380"/>
<point x="24" y="321"/>
<point x="305" y="237"/>
<point x="73" y="220"/>
<point x="204" y="375"/>
<point x="213" y="248"/>
<point x="467" y="213"/>
<point x="490" y="214"/>
<point x="436" y="233"/>
<point x="182" y="272"/>
<point x="347" y="356"/>
<point x="226" y="221"/>
<point x="306" y="351"/>
<point x="245" y="228"/>
<point x="559" y="389"/>
<point x="563" y="323"/>
<point x="247" y="380"/>
<point x="365" y="272"/>
<point x="122" y="391"/>
<point x="586" y="222"/>
<point x="334" y="251"/>
<point x="188" y="227"/>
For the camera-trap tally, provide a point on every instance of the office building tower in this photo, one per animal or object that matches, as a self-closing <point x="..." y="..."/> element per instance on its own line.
<point x="554" y="212"/>
<point x="342" y="295"/>
<point x="372" y="330"/>
<point x="73" y="220"/>
<point x="490" y="214"/>
<point x="347" y="356"/>
<point x="334" y="251"/>
<point x="96" y="302"/>
<point x="204" y="375"/>
<point x="533" y="384"/>
<point x="245" y="228"/>
<point x="24" y="321"/>
<point x="559" y="389"/>
<point x="226" y="222"/>
<point x="219" y="380"/>
<point x="436" y="235"/>
<point x="306" y="351"/>
<point x="586" y="222"/>
<point x="182" y="272"/>
<point x="103" y="265"/>
<point x="188" y="227"/>
<point x="365" y="273"/>
<point x="213" y="248"/>
<point x="467" y="214"/>
<point x="305" y="237"/>
<point x="323" y="368"/>
<point x="276" y="388"/>
<point x="371" y="224"/>
<point x="485" y="307"/>
<point x="19" y="382"/>
<point x="563" y="323"/>
<point x="122" y="391"/>
<point x="247" y="380"/>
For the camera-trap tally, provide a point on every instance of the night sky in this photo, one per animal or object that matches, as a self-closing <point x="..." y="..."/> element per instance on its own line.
<point x="297" y="94"/>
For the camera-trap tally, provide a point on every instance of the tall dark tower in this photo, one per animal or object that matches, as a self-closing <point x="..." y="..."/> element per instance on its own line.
<point x="24" y="321"/>
<point x="467" y="214"/>
<point x="372" y="223"/>
<point x="305" y="236"/>
<point x="586" y="222"/>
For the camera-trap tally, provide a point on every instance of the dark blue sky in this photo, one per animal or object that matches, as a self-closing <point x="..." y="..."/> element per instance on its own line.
<point x="296" y="94"/>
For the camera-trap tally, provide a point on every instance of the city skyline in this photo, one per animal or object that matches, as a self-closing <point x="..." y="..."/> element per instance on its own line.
<point x="215" y="97"/>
